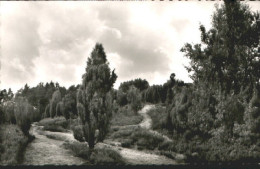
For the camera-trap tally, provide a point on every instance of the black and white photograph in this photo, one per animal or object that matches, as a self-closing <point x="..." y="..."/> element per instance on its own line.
<point x="90" y="83"/>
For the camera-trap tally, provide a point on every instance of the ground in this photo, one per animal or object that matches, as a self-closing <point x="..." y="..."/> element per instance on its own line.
<point x="48" y="147"/>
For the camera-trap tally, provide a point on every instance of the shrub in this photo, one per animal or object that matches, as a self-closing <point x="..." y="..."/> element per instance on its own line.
<point x="47" y="111"/>
<point x="158" y="116"/>
<point x="57" y="124"/>
<point x="8" y="109"/>
<point x="134" y="98"/>
<point x="121" y="98"/>
<point x="78" y="133"/>
<point x="78" y="149"/>
<point x="125" y="116"/>
<point x="23" y="114"/>
<point x="121" y="133"/>
<point x="106" y="156"/>
<point x="12" y="144"/>
<point x="2" y="115"/>
<point x="126" y="143"/>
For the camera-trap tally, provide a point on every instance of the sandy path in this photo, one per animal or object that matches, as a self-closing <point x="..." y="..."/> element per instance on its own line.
<point x="135" y="156"/>
<point x="45" y="151"/>
<point x="147" y="121"/>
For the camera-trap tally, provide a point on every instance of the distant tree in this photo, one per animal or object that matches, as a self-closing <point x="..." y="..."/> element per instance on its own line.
<point x="2" y="115"/>
<point x="169" y="97"/>
<point x="140" y="84"/>
<point x="10" y="94"/>
<point x="4" y="95"/>
<point x="153" y="94"/>
<point x="60" y="108"/>
<point x="47" y="111"/>
<point x="91" y="98"/>
<point x="8" y="108"/>
<point x="56" y="98"/>
<point x="255" y="111"/>
<point x="121" y="98"/>
<point x="134" y="98"/>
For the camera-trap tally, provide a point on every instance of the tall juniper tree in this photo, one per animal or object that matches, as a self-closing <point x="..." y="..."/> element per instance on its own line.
<point x="92" y="104"/>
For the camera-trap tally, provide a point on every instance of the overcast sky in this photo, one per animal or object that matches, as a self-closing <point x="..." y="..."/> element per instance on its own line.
<point x="44" y="41"/>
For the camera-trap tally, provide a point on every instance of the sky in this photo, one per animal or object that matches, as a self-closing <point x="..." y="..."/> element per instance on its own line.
<point x="51" y="40"/>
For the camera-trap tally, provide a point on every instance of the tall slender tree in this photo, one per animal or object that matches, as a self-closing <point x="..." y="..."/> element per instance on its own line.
<point x="92" y="96"/>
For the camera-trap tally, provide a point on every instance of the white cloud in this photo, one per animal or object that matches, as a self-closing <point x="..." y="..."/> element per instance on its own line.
<point x="44" y="41"/>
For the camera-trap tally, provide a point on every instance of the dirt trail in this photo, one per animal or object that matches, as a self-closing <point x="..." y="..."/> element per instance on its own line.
<point x="45" y="151"/>
<point x="147" y="121"/>
<point x="140" y="157"/>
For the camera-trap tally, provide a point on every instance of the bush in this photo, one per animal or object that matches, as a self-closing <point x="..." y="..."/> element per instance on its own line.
<point x="125" y="116"/>
<point x="147" y="139"/>
<point x="78" y="149"/>
<point x="12" y="144"/>
<point x="57" y="124"/>
<point x="126" y="143"/>
<point x="121" y="98"/>
<point x="8" y="109"/>
<point x="2" y="115"/>
<point x="158" y="116"/>
<point x="106" y="156"/>
<point x="23" y="114"/>
<point x="78" y="133"/>
<point x="121" y="133"/>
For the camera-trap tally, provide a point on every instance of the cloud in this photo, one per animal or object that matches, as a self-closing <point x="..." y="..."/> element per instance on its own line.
<point x="19" y="44"/>
<point x="44" y="41"/>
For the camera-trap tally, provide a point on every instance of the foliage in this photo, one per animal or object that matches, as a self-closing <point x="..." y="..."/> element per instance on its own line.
<point x="140" y="84"/>
<point x="78" y="133"/>
<point x="93" y="97"/>
<point x="58" y="124"/>
<point x="23" y="112"/>
<point x="134" y="98"/>
<point x="56" y="98"/>
<point x="8" y="108"/>
<point x="2" y="115"/>
<point x="106" y="156"/>
<point x="212" y="116"/>
<point x="47" y="111"/>
<point x="12" y="141"/>
<point x="79" y="149"/>
<point x="121" y="98"/>
<point x="125" y="116"/>
<point x="60" y="109"/>
<point x="158" y="116"/>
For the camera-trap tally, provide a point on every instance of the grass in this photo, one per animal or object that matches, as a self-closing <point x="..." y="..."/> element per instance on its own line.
<point x="13" y="144"/>
<point x="125" y="116"/>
